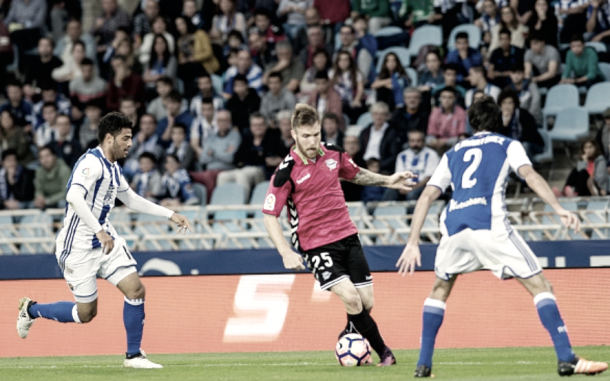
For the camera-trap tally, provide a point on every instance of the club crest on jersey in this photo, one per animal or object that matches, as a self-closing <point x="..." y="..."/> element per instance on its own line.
<point x="109" y="194"/>
<point x="269" y="202"/>
<point x="331" y="164"/>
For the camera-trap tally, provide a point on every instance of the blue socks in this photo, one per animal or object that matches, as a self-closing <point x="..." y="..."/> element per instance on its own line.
<point x="551" y="320"/>
<point x="133" y="318"/>
<point x="63" y="312"/>
<point x="434" y="312"/>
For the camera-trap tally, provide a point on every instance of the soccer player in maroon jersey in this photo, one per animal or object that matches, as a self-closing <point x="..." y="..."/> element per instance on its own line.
<point x="307" y="181"/>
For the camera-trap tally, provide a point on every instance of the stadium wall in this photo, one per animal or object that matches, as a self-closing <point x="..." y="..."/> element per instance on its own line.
<point x="288" y="312"/>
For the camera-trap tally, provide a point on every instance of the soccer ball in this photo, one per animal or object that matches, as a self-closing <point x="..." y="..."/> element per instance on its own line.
<point x="353" y="350"/>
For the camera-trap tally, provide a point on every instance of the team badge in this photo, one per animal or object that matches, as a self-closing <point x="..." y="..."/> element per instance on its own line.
<point x="331" y="164"/>
<point x="269" y="202"/>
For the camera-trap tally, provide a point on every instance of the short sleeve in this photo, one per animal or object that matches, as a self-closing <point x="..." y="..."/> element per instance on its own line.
<point x="431" y="165"/>
<point x="517" y="157"/>
<point x="276" y="197"/>
<point x="349" y="169"/>
<point x="441" y="178"/>
<point x="87" y="172"/>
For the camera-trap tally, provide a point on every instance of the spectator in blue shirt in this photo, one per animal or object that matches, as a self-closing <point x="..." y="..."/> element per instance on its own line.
<point x="176" y="186"/>
<point x="464" y="57"/>
<point x="174" y="116"/>
<point x="503" y="59"/>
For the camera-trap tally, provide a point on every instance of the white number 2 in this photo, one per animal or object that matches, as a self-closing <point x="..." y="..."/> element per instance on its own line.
<point x="474" y="154"/>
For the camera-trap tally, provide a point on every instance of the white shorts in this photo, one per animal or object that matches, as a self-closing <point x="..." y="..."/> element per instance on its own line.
<point x="505" y="254"/>
<point x="81" y="268"/>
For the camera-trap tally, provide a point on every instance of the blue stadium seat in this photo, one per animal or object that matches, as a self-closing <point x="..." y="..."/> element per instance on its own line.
<point x="14" y="66"/>
<point x="179" y="85"/>
<point x="598" y="98"/>
<point x="547" y="154"/>
<point x="402" y="54"/>
<point x="571" y="125"/>
<point x="605" y="68"/>
<point x="599" y="47"/>
<point x="365" y="119"/>
<point x="217" y="84"/>
<point x="474" y="36"/>
<point x="559" y="98"/>
<point x="229" y="194"/>
<point x="259" y="193"/>
<point x="413" y="78"/>
<point x="425" y="35"/>
<point x="388" y="31"/>
<point x="201" y="193"/>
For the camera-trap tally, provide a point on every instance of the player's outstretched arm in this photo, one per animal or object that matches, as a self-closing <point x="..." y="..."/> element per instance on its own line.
<point x="292" y="260"/>
<point x="410" y="255"/>
<point x="134" y="201"/>
<point x="543" y="190"/>
<point x="399" y="180"/>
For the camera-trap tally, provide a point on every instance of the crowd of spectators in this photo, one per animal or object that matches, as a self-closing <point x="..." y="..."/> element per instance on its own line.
<point x="210" y="85"/>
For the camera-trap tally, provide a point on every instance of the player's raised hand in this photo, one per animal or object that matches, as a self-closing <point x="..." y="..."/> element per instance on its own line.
<point x="106" y="241"/>
<point x="569" y="220"/>
<point x="400" y="181"/>
<point x="410" y="257"/>
<point x="292" y="260"/>
<point x="182" y="222"/>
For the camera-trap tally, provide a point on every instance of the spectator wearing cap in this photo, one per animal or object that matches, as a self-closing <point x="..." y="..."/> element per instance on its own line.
<point x="542" y="63"/>
<point x="519" y="124"/>
<point x="217" y="153"/>
<point x="89" y="86"/>
<point x="276" y="99"/>
<point x="464" y="57"/>
<point x="603" y="136"/>
<point x="331" y="134"/>
<point x="529" y="94"/>
<point x="259" y="153"/>
<point x="244" y="102"/>
<point x="325" y="98"/>
<point x="291" y="68"/>
<point x="503" y="59"/>
<point x="380" y="140"/>
<point x="50" y="180"/>
<point x="111" y="19"/>
<point x="447" y="122"/>
<point x="412" y="116"/>
<point x="478" y="81"/>
<point x="16" y="183"/>
<point x="176" y="114"/>
<point x="124" y="83"/>
<point x="582" y="65"/>
<point x="245" y="67"/>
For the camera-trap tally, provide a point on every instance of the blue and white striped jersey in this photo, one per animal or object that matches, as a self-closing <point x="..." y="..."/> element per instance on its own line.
<point x="102" y="180"/>
<point x="477" y="170"/>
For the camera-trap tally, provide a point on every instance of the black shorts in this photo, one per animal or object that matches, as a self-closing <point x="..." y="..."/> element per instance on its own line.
<point x="338" y="261"/>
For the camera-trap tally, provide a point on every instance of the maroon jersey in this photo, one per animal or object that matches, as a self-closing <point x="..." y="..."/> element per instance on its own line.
<point x="312" y="192"/>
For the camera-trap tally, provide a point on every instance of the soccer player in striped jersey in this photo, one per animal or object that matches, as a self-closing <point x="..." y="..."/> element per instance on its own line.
<point x="88" y="245"/>
<point x="476" y="233"/>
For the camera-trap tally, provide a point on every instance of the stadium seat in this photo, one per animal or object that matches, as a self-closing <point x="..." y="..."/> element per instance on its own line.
<point x="229" y="194"/>
<point x="179" y="85"/>
<point x="605" y="68"/>
<point x="402" y="54"/>
<point x="388" y="31"/>
<point x="559" y="98"/>
<point x="598" y="98"/>
<point x="425" y="35"/>
<point x="14" y="66"/>
<point x="412" y="74"/>
<point x="259" y="193"/>
<point x="474" y="36"/>
<point x="599" y="47"/>
<point x="571" y="125"/>
<point x="547" y="154"/>
<point x="365" y="119"/>
<point x="201" y="193"/>
<point x="217" y="84"/>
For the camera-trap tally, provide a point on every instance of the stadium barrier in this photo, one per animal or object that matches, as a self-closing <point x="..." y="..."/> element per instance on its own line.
<point x="256" y="305"/>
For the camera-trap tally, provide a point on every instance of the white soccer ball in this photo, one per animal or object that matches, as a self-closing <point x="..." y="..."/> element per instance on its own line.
<point x="353" y="350"/>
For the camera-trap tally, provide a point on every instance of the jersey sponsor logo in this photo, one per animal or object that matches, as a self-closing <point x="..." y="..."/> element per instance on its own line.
<point x="270" y="202"/>
<point x="326" y="275"/>
<point x="109" y="194"/>
<point x="454" y="205"/>
<point x="331" y="164"/>
<point x="301" y="180"/>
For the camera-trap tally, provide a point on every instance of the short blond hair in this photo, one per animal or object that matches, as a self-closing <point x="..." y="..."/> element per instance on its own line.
<point x="304" y="115"/>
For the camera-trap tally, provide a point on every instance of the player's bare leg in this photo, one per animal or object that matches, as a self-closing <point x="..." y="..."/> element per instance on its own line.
<point x="133" y="318"/>
<point x="359" y="318"/>
<point x="434" y="312"/>
<point x="545" y="301"/>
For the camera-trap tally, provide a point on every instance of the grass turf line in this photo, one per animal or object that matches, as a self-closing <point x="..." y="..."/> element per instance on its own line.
<point x="497" y="364"/>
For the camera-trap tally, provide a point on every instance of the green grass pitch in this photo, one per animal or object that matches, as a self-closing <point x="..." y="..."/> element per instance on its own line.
<point x="450" y="364"/>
